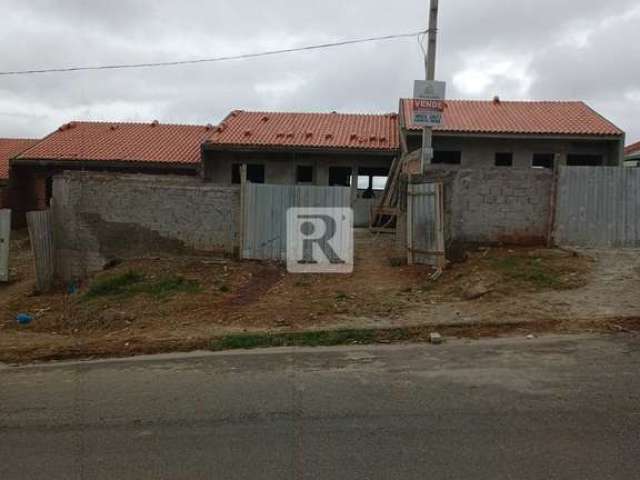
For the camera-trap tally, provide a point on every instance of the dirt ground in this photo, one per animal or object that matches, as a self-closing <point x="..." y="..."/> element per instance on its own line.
<point x="180" y="303"/>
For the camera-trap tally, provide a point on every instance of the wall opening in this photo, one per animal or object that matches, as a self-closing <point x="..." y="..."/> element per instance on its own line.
<point x="255" y="173"/>
<point x="339" y="176"/>
<point x="447" y="157"/>
<point x="543" y="160"/>
<point x="304" y="174"/>
<point x="504" y="160"/>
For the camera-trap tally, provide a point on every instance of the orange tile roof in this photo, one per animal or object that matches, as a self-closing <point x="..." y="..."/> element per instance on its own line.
<point x="9" y="148"/>
<point x="632" y="149"/>
<point x="529" y="118"/>
<point x="122" y="142"/>
<point x="308" y="130"/>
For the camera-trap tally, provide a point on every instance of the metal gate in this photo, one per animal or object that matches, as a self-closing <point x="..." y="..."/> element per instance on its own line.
<point x="5" y="236"/>
<point x="425" y="224"/>
<point x="264" y="215"/>
<point x="598" y="207"/>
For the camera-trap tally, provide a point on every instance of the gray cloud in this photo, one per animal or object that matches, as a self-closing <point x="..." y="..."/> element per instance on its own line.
<point x="526" y="49"/>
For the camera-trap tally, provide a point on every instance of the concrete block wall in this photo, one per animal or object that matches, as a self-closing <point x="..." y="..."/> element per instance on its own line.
<point x="100" y="217"/>
<point x="497" y="205"/>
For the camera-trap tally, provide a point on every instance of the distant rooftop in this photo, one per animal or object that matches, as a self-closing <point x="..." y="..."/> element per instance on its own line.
<point x="632" y="150"/>
<point x="9" y="148"/>
<point x="151" y="142"/>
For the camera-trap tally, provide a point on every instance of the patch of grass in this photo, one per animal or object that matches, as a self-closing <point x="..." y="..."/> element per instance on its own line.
<point x="167" y="286"/>
<point x="533" y="271"/>
<point x="115" y="285"/>
<point x="302" y="339"/>
<point x="133" y="283"/>
<point x="341" y="296"/>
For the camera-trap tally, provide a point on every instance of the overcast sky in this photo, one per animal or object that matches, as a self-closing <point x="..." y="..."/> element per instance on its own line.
<point x="518" y="49"/>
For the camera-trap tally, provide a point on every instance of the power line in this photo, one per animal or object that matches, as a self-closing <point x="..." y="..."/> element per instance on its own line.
<point x="214" y="59"/>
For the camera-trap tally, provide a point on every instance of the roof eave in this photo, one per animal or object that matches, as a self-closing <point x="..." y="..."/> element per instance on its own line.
<point x="74" y="163"/>
<point x="553" y="136"/>
<point x="216" y="147"/>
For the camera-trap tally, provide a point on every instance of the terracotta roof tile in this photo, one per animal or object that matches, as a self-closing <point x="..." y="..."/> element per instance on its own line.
<point x="9" y="148"/>
<point x="308" y="130"/>
<point x="632" y="149"/>
<point x="122" y="142"/>
<point x="530" y="118"/>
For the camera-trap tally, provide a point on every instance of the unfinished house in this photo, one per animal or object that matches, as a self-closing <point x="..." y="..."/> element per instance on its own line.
<point x="9" y="148"/>
<point x="324" y="149"/>
<point x="148" y="148"/>
<point x="496" y="162"/>
<point x="517" y="134"/>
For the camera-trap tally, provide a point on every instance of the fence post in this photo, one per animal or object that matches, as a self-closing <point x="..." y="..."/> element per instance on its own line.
<point x="5" y="238"/>
<point x="41" y="236"/>
<point x="243" y="207"/>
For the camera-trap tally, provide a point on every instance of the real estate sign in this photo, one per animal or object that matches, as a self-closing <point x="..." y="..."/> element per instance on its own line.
<point x="428" y="103"/>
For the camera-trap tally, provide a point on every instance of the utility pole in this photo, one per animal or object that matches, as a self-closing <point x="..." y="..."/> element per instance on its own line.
<point x="430" y="72"/>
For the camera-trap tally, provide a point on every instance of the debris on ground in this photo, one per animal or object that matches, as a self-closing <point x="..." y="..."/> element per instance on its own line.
<point x="436" y="339"/>
<point x="477" y="291"/>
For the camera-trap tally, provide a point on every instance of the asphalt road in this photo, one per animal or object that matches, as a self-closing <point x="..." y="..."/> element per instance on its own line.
<point x="553" y="408"/>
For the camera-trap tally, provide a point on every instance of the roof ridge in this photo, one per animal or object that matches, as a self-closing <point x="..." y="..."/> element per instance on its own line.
<point x="352" y="114"/>
<point x="507" y="101"/>
<point x="149" y="123"/>
<point x="14" y="139"/>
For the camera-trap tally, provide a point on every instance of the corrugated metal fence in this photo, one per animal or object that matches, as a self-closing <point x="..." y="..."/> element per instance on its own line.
<point x="264" y="222"/>
<point x="425" y="224"/>
<point x="5" y="237"/>
<point x="598" y="207"/>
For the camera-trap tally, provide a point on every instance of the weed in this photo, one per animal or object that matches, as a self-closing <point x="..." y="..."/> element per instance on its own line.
<point x="167" y="286"/>
<point x="115" y="285"/>
<point x="302" y="339"/>
<point x="341" y="296"/>
<point x="133" y="283"/>
<point x="533" y="271"/>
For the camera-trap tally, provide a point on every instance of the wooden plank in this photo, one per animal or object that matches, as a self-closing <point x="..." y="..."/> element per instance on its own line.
<point x="41" y="235"/>
<point x="5" y="238"/>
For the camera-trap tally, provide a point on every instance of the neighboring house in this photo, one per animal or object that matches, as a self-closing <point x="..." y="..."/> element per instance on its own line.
<point x="517" y="134"/>
<point x="149" y="148"/>
<point x="632" y="155"/>
<point x="329" y="149"/>
<point x="9" y="148"/>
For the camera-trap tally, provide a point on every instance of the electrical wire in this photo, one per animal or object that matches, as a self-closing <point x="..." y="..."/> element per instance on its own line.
<point x="214" y="59"/>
